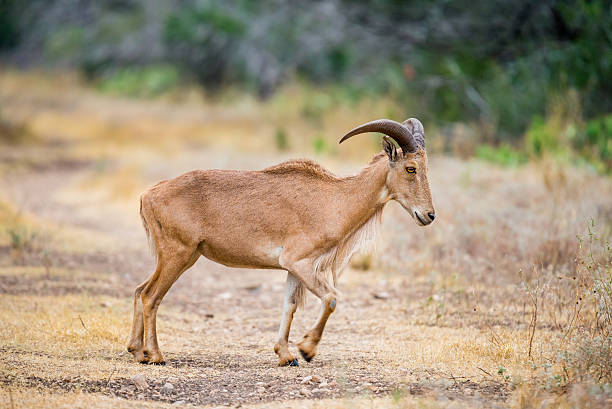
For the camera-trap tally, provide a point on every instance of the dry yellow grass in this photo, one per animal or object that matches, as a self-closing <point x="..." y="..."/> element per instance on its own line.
<point x="440" y="320"/>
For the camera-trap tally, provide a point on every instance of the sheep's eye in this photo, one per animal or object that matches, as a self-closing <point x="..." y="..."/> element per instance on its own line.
<point x="410" y="169"/>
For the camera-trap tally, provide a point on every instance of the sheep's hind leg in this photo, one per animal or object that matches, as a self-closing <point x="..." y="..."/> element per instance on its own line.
<point x="169" y="268"/>
<point x="135" y="345"/>
<point x="285" y="358"/>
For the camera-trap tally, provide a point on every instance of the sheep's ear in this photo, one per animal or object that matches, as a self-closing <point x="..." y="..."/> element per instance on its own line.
<point x="390" y="149"/>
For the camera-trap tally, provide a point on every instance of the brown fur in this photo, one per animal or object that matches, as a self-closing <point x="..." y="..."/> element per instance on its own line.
<point x="302" y="167"/>
<point x="294" y="216"/>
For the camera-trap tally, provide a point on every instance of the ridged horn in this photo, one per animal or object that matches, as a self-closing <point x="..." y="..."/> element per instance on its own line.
<point x="401" y="133"/>
<point x="418" y="132"/>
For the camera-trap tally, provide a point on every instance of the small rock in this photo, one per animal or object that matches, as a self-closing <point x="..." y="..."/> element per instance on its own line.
<point x="316" y="378"/>
<point x="261" y="389"/>
<point x="172" y="379"/>
<point x="253" y="289"/>
<point x="304" y="392"/>
<point x="178" y="402"/>
<point x="225" y="296"/>
<point x="105" y="304"/>
<point x="333" y="384"/>
<point x="259" y="384"/>
<point x="323" y="384"/>
<point x="140" y="381"/>
<point x="316" y="390"/>
<point x="306" y="379"/>
<point x="381" y="295"/>
<point x="167" y="388"/>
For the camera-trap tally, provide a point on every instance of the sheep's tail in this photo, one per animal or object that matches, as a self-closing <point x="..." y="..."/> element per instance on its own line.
<point x="150" y="239"/>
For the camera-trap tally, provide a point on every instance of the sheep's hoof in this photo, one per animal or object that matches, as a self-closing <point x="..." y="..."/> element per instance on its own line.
<point x="293" y="363"/>
<point x="143" y="359"/>
<point x="306" y="357"/>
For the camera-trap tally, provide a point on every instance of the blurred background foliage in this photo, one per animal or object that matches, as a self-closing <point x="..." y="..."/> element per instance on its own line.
<point x="528" y="79"/>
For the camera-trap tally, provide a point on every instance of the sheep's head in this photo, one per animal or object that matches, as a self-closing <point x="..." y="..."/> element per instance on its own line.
<point x="407" y="176"/>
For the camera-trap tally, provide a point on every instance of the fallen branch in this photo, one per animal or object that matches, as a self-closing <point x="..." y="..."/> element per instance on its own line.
<point x="82" y="323"/>
<point x="485" y="371"/>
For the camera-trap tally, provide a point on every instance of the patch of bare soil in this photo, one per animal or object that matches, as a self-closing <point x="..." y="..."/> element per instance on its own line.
<point x="238" y="385"/>
<point x="94" y="273"/>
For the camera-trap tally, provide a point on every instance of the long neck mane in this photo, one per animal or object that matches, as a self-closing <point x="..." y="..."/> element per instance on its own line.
<point x="366" y="198"/>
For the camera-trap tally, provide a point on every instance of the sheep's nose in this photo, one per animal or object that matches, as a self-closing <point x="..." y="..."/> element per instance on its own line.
<point x="432" y="216"/>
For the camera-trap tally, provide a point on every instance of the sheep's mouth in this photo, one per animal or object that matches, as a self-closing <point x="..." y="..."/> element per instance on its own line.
<point x="421" y="221"/>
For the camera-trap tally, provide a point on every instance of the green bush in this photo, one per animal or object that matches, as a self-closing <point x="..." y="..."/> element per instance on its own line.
<point x="147" y="81"/>
<point x="594" y="141"/>
<point x="320" y="145"/>
<point x="541" y="138"/>
<point x="281" y="139"/>
<point x="503" y="155"/>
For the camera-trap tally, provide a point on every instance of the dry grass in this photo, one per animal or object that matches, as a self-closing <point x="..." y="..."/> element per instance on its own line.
<point x="439" y="317"/>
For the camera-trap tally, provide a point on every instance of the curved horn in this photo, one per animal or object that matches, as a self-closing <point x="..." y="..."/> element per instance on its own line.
<point x="399" y="132"/>
<point x="418" y="132"/>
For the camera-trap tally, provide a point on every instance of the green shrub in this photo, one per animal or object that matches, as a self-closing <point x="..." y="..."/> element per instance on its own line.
<point x="594" y="141"/>
<point x="21" y="239"/>
<point x="541" y="138"/>
<point x="281" y="139"/>
<point x="146" y="81"/>
<point x="503" y="155"/>
<point x="320" y="145"/>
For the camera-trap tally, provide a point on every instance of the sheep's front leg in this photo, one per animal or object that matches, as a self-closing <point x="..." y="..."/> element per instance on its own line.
<point x="303" y="270"/>
<point x="289" y="306"/>
<point x="308" y="345"/>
